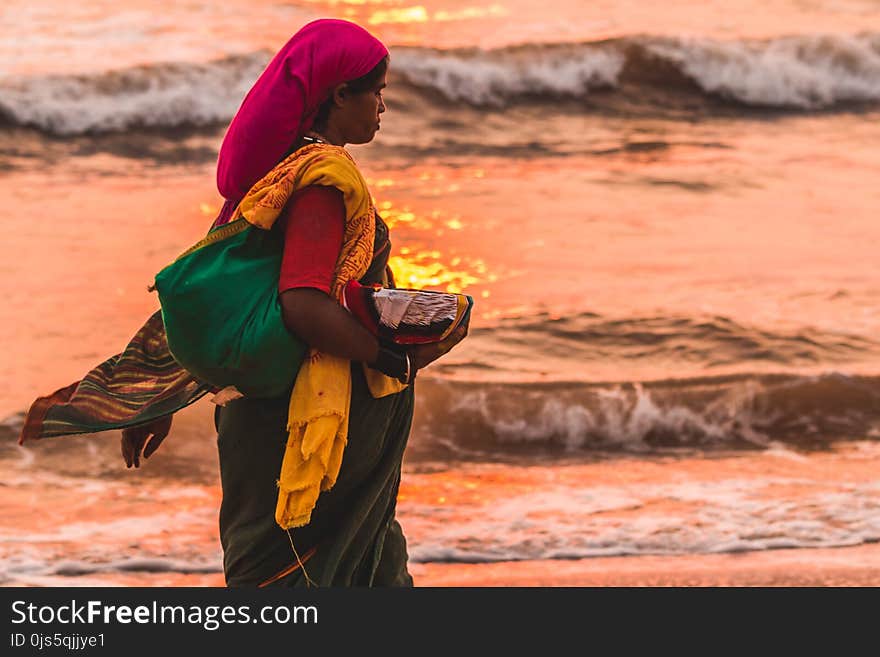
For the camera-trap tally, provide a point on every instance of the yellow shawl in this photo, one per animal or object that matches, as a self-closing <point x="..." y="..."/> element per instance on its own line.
<point x="317" y="421"/>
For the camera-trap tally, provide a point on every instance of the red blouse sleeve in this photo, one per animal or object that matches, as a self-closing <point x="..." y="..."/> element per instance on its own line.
<point x="314" y="222"/>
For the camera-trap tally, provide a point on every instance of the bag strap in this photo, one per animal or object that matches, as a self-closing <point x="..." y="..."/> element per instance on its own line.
<point x="215" y="235"/>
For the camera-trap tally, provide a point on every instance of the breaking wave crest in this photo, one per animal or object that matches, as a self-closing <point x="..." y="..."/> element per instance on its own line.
<point x="494" y="421"/>
<point x="791" y="73"/>
<point x="804" y="72"/>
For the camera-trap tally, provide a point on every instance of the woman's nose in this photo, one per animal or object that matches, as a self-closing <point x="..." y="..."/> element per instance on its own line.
<point x="381" y="105"/>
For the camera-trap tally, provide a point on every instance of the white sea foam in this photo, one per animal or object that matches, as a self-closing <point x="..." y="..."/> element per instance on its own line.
<point x="803" y="72"/>
<point x="161" y="95"/>
<point x="615" y="417"/>
<point x="179" y="541"/>
<point x="493" y="78"/>
<point x="707" y="517"/>
<point x="486" y="420"/>
<point x="807" y="72"/>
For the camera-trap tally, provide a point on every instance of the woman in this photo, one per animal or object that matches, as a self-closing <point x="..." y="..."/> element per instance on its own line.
<point x="323" y="90"/>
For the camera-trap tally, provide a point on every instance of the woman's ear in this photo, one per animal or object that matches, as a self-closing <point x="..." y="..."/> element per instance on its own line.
<point x="340" y="93"/>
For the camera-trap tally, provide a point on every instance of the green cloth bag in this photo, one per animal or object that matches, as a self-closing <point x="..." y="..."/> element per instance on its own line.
<point x="222" y="314"/>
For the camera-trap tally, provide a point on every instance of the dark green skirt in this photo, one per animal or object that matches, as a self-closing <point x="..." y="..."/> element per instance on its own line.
<point x="353" y="538"/>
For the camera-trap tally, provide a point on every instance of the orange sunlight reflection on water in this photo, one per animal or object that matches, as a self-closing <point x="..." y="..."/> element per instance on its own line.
<point x="426" y="270"/>
<point x="419" y="263"/>
<point x="400" y="12"/>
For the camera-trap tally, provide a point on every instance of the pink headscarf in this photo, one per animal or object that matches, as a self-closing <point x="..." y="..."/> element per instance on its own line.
<point x="280" y="107"/>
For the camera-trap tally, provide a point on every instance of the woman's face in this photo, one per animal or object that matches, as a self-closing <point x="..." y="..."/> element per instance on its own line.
<point x="356" y="118"/>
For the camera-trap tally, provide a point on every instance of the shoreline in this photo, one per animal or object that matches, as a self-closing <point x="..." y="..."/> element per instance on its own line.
<point x="796" y="567"/>
<point x="856" y="566"/>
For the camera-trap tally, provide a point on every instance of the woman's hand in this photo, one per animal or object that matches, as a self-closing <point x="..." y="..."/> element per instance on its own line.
<point x="424" y="354"/>
<point x="134" y="439"/>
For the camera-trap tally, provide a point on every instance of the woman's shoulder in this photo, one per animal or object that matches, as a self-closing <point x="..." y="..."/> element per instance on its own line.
<point x="323" y="195"/>
<point x="318" y="189"/>
<point x="314" y="205"/>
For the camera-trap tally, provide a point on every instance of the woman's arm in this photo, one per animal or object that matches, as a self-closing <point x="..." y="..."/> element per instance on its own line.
<point x="322" y="323"/>
<point x="317" y="319"/>
<point x="314" y="222"/>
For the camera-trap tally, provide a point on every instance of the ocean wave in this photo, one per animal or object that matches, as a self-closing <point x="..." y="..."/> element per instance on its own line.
<point x="484" y="421"/>
<point x="593" y="348"/>
<point x="574" y="385"/>
<point x="799" y="72"/>
<point x="795" y="73"/>
<point x="479" y="421"/>
<point x="165" y="95"/>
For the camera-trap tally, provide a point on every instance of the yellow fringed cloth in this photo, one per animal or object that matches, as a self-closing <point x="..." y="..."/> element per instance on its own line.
<point x="317" y="422"/>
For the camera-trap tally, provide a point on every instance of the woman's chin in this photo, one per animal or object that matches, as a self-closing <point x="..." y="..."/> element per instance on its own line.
<point x="366" y="140"/>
